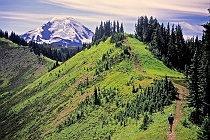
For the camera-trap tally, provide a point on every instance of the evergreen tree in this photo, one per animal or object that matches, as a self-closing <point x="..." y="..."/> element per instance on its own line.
<point x="206" y="85"/>
<point x="118" y="27"/>
<point x="114" y="27"/>
<point x="6" y="35"/>
<point x="101" y="30"/>
<point x="1" y="33"/>
<point x="96" y="35"/>
<point x="145" y="30"/>
<point x="146" y="122"/>
<point x="181" y="48"/>
<point x="206" y="67"/>
<point x="172" y="49"/>
<point x="204" y="133"/>
<point x="139" y="28"/>
<point x="195" y="97"/>
<point x="153" y="23"/>
<point x="106" y="30"/>
<point x="199" y="80"/>
<point x="96" y="98"/>
<point x="121" y="28"/>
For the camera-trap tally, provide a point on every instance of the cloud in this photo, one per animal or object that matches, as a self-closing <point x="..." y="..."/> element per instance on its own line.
<point x="135" y="8"/>
<point x="23" y="16"/>
<point x="127" y="11"/>
<point x="91" y="12"/>
<point x="193" y="28"/>
<point x="20" y="22"/>
<point x="190" y="30"/>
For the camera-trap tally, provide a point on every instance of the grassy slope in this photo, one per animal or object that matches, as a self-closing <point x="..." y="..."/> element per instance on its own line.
<point x="117" y="77"/>
<point x="54" y="95"/>
<point x="150" y="64"/>
<point x="7" y="42"/>
<point x="18" y="68"/>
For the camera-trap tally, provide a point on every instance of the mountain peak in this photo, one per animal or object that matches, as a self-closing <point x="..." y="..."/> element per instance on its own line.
<point x="62" y="31"/>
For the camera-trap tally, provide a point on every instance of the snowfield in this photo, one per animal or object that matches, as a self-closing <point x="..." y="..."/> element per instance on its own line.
<point x="60" y="31"/>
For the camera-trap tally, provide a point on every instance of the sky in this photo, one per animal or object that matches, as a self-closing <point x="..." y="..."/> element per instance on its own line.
<point x="21" y="16"/>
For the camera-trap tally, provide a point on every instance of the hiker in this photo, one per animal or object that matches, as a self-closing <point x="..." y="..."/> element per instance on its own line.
<point x="170" y="121"/>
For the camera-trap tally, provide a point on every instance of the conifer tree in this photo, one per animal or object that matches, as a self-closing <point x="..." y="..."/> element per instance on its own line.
<point x="206" y="67"/>
<point x="171" y="49"/>
<point x="146" y="122"/>
<point x="204" y="133"/>
<point x="199" y="80"/>
<point x="96" y="98"/>
<point x="6" y="35"/>
<point x="145" y="30"/>
<point x="1" y="34"/>
<point x="121" y="28"/>
<point x="114" y="27"/>
<point x="195" y="97"/>
<point x="118" y="27"/>
<point x="180" y="47"/>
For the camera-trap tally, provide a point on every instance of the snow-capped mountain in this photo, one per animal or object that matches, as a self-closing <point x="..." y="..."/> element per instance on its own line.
<point x="60" y="31"/>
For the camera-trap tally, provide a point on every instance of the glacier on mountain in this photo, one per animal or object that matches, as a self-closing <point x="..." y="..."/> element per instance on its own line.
<point x="60" y="32"/>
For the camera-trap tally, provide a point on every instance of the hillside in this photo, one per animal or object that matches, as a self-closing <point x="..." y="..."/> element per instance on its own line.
<point x="6" y="42"/>
<point x="84" y="97"/>
<point x="19" y="66"/>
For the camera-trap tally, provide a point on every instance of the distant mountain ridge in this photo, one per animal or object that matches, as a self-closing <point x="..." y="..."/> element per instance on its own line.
<point x="60" y="31"/>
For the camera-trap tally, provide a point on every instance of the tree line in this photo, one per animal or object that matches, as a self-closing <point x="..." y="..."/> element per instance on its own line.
<point x="198" y="75"/>
<point x="59" y="54"/>
<point x="166" y="43"/>
<point x="13" y="37"/>
<point x="189" y="56"/>
<point x="107" y="29"/>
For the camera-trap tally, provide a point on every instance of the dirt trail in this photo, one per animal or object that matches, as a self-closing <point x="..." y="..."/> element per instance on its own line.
<point x="179" y="112"/>
<point x="138" y="64"/>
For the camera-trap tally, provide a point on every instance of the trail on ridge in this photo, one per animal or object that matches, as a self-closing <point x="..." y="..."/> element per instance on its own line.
<point x="137" y="63"/>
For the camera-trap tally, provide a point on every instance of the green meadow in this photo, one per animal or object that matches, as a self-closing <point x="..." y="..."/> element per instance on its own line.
<point x="42" y="108"/>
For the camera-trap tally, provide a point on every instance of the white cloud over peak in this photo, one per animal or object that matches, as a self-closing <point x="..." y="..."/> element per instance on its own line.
<point x="136" y="7"/>
<point x="190" y="30"/>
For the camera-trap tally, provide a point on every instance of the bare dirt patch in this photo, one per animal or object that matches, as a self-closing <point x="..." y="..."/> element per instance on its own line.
<point x="40" y="70"/>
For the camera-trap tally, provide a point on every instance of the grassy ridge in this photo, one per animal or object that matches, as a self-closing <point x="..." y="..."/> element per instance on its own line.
<point x="52" y="97"/>
<point x="156" y="130"/>
<point x="18" y="68"/>
<point x="6" y="42"/>
<point x="116" y="77"/>
<point x="150" y="64"/>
